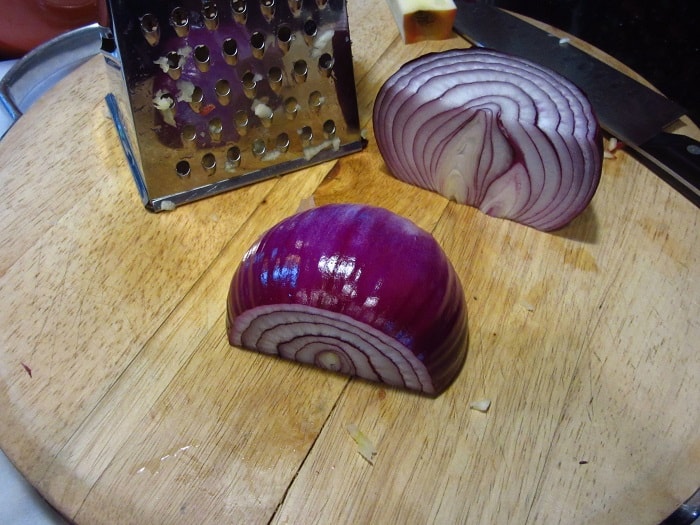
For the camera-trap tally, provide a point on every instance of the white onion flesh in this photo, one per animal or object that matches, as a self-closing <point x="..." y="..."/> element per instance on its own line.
<point x="319" y="337"/>
<point x="492" y="131"/>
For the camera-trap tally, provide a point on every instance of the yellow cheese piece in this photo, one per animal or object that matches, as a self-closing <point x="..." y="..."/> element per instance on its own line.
<point x="420" y="20"/>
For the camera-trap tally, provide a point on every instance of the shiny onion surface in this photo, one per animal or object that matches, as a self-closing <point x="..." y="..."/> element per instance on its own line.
<point x="353" y="289"/>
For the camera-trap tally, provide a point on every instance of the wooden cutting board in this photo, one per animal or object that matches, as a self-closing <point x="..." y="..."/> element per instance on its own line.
<point x="122" y="402"/>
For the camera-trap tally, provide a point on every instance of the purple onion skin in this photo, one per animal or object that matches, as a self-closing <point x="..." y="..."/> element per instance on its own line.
<point x="365" y="265"/>
<point x="541" y="155"/>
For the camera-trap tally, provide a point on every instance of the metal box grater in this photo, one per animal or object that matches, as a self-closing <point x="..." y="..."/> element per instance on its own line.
<point x="214" y="95"/>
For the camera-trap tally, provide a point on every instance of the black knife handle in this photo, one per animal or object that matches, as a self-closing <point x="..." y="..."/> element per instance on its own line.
<point x="676" y="159"/>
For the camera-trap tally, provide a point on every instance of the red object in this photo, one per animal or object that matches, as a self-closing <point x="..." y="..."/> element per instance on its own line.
<point x="27" y="23"/>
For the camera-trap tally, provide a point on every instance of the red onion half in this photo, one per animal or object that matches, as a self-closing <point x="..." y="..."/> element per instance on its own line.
<point x="353" y="289"/>
<point x="493" y="131"/>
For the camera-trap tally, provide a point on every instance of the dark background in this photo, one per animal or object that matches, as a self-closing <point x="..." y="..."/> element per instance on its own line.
<point x="659" y="39"/>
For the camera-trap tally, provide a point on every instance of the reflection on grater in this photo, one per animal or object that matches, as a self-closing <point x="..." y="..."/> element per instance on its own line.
<point x="213" y="96"/>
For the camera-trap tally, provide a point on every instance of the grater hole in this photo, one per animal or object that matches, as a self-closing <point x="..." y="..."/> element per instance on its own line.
<point x="182" y="169"/>
<point x="310" y="31"/>
<point x="329" y="129"/>
<point x="233" y="157"/>
<point x="202" y="58"/>
<point x="284" y="38"/>
<point x="259" y="147"/>
<point x="216" y="127"/>
<point x="263" y="112"/>
<point x="310" y="27"/>
<point x="241" y="120"/>
<point x="321" y="3"/>
<point x="257" y="42"/>
<point x="223" y="92"/>
<point x="165" y="103"/>
<point x="180" y="21"/>
<point x="325" y="64"/>
<point x="173" y="59"/>
<point x="189" y="134"/>
<point x="211" y="16"/>
<point x="301" y="71"/>
<point x="291" y="108"/>
<point x="249" y="84"/>
<point x="282" y="142"/>
<point x="306" y="134"/>
<point x="274" y="76"/>
<point x="230" y="51"/>
<point x="295" y="7"/>
<point x="316" y="100"/>
<point x="267" y="7"/>
<point x="209" y="163"/>
<point x="150" y="29"/>
<point x="196" y="99"/>
<point x="240" y="11"/>
<point x="174" y="63"/>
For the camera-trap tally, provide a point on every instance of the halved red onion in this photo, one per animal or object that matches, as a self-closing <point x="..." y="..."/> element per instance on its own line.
<point x="353" y="289"/>
<point x="493" y="131"/>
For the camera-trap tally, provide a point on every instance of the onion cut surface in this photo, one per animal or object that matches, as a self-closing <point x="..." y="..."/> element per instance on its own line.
<point x="492" y="131"/>
<point x="353" y="289"/>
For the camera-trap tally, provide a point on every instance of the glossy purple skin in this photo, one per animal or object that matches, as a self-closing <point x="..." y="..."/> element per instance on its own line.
<point x="369" y="264"/>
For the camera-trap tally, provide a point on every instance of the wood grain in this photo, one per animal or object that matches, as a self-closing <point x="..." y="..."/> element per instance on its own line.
<point x="138" y="411"/>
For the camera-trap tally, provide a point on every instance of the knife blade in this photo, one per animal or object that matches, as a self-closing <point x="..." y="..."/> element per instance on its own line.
<point x="626" y="109"/>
